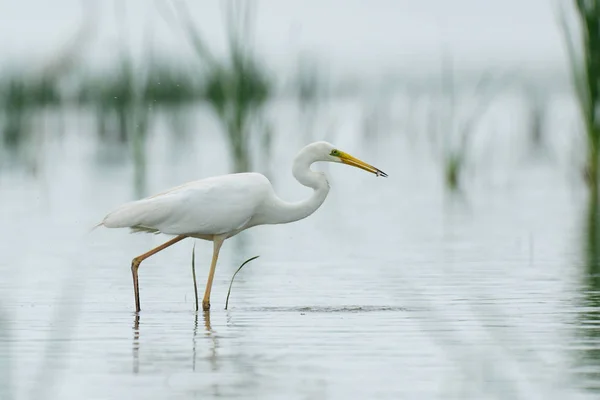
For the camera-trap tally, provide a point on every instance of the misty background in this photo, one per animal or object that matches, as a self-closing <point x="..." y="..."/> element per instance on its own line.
<point x="472" y="271"/>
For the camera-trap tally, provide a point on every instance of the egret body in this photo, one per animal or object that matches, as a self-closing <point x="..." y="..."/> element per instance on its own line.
<point x="220" y="207"/>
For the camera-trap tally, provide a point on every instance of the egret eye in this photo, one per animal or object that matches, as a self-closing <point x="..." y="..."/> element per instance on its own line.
<point x="335" y="153"/>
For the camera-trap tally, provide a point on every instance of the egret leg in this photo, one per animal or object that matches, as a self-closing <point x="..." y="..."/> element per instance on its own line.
<point x="135" y="264"/>
<point x="217" y="243"/>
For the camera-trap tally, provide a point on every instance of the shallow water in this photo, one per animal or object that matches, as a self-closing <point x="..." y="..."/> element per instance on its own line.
<point x="393" y="289"/>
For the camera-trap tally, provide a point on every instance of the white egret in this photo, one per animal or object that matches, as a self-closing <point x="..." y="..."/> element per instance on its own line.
<point x="220" y="207"/>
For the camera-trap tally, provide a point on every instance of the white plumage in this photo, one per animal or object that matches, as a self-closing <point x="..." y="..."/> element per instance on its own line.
<point x="212" y="206"/>
<point x="220" y="207"/>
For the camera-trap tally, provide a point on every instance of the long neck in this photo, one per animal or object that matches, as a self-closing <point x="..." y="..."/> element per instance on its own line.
<point x="282" y="212"/>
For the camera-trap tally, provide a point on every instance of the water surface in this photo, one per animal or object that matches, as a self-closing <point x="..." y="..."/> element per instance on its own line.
<point x="393" y="289"/>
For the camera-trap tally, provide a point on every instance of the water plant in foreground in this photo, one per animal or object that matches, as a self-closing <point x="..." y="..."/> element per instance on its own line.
<point x="233" y="277"/>
<point x="584" y="55"/>
<point x="194" y="274"/>
<point x="230" y="284"/>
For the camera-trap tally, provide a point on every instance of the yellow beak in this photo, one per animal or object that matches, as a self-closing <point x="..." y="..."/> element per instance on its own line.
<point x="355" y="162"/>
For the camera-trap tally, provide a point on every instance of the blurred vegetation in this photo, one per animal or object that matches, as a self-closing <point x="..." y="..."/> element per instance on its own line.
<point x="583" y="45"/>
<point x="237" y="87"/>
<point x="589" y="317"/>
<point x="19" y="97"/>
<point x="309" y="87"/>
<point x="456" y="127"/>
<point x="584" y="52"/>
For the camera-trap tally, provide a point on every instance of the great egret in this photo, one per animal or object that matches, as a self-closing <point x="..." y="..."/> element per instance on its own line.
<point x="220" y="207"/>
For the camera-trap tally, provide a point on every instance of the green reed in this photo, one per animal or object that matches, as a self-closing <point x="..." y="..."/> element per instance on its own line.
<point x="19" y="98"/>
<point x="583" y="46"/>
<point x="456" y="129"/>
<point x="236" y="87"/>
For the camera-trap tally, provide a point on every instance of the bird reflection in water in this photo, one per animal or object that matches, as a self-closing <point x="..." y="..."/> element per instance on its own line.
<point x="209" y="333"/>
<point x="136" y="344"/>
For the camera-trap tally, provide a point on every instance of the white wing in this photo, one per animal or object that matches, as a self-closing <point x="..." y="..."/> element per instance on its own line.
<point x="209" y="206"/>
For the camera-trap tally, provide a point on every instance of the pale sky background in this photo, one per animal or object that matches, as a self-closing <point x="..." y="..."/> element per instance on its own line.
<point x="349" y="35"/>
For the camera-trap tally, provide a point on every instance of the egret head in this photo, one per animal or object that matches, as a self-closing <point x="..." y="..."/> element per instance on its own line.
<point x="328" y="152"/>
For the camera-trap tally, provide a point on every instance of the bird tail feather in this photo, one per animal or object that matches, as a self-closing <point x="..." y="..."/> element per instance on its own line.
<point x="96" y="226"/>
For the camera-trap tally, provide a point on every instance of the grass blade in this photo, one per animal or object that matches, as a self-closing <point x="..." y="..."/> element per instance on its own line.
<point x="194" y="274"/>
<point x="233" y="277"/>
